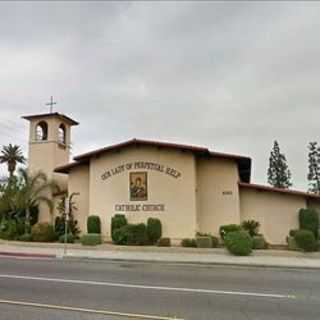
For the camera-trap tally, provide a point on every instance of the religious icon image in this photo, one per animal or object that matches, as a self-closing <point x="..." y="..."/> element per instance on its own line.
<point x="138" y="186"/>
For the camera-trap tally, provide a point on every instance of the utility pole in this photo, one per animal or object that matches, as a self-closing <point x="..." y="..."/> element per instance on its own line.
<point x="68" y="212"/>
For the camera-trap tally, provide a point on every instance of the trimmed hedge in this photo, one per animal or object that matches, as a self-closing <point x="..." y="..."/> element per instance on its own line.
<point x="189" y="243"/>
<point x="91" y="239"/>
<point x="306" y="240"/>
<point x="164" y="242"/>
<point x="93" y="224"/>
<point x="131" y="234"/>
<point x="259" y="242"/>
<point x="154" y="230"/>
<point x="214" y="240"/>
<point x="309" y="220"/>
<point x="293" y="232"/>
<point x="70" y="238"/>
<point x="225" y="229"/>
<point x="239" y="243"/>
<point x="117" y="221"/>
<point x="25" y="237"/>
<point x="43" y="232"/>
<point x="292" y="244"/>
<point x="204" y="242"/>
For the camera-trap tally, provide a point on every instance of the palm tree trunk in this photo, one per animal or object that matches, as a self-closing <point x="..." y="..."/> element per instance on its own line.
<point x="11" y="168"/>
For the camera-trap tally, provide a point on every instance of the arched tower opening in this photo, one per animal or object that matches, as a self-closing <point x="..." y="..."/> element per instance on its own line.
<point x="42" y="131"/>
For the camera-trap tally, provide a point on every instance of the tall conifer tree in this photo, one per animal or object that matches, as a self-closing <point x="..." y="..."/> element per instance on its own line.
<point x="279" y="175"/>
<point x="314" y="167"/>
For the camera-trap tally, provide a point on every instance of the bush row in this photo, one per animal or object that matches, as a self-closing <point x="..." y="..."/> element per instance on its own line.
<point x="306" y="238"/>
<point x="140" y="234"/>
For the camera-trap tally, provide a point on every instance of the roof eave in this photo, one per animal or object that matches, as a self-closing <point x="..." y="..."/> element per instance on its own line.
<point x="263" y="188"/>
<point x="54" y="114"/>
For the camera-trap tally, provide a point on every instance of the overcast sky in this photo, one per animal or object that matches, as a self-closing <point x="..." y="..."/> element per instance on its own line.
<point x="229" y="76"/>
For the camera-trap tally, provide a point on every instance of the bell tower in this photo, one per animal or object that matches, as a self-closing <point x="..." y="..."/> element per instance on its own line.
<point x="49" y="143"/>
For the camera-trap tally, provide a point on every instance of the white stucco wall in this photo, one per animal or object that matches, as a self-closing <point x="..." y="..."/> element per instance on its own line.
<point x="79" y="183"/>
<point x="276" y="212"/>
<point x="176" y="194"/>
<point x="217" y="194"/>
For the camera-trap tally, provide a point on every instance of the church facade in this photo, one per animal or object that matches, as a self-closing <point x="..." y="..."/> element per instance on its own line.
<point x="190" y="189"/>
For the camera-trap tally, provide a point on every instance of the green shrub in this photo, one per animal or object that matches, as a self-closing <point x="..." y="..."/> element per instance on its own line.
<point x="120" y="236"/>
<point x="251" y="226"/>
<point x="293" y="232"/>
<point x="93" y="224"/>
<point x="164" y="242"/>
<point x="131" y="234"/>
<point x="238" y="243"/>
<point x="117" y="221"/>
<point x="43" y="232"/>
<point x="292" y="244"/>
<point x="204" y="241"/>
<point x="309" y="220"/>
<point x="306" y="240"/>
<point x="259" y="242"/>
<point x="154" y="230"/>
<point x="25" y="237"/>
<point x="20" y="227"/>
<point x="214" y="240"/>
<point x="9" y="229"/>
<point x="137" y="234"/>
<point x="60" y="224"/>
<point x="91" y="239"/>
<point x="225" y="229"/>
<point x="189" y="243"/>
<point x="70" y="238"/>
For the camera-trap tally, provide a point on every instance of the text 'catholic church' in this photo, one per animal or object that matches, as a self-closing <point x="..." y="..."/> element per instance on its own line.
<point x="188" y="188"/>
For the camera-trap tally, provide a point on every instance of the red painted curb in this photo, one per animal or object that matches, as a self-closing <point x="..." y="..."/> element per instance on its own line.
<point x="29" y="255"/>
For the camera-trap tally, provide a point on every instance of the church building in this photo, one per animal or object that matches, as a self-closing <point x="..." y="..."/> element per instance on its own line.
<point x="189" y="188"/>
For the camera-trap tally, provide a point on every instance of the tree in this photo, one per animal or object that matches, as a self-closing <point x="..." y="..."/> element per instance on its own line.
<point x="279" y="175"/>
<point x="34" y="189"/>
<point x="314" y="167"/>
<point x="12" y="155"/>
<point x="8" y="191"/>
<point x="60" y="221"/>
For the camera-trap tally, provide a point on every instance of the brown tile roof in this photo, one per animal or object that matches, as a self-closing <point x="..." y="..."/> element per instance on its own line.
<point x="53" y="114"/>
<point x="244" y="163"/>
<point x="260" y="187"/>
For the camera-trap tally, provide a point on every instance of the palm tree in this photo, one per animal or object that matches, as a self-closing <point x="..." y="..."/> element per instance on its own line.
<point x="8" y="192"/>
<point x="34" y="189"/>
<point x="12" y="155"/>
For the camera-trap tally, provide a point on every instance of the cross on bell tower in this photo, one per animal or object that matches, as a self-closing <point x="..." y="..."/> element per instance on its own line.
<point x="51" y="104"/>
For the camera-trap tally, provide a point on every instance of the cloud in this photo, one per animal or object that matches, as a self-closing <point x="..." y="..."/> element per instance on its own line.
<point x="232" y="76"/>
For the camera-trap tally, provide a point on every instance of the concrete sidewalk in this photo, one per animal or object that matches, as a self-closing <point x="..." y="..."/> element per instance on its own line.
<point x="108" y="252"/>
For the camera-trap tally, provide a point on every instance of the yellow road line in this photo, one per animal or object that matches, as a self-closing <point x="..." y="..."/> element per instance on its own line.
<point x="83" y="310"/>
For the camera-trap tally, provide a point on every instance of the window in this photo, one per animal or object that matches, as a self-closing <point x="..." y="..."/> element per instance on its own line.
<point x="62" y="134"/>
<point x="42" y="131"/>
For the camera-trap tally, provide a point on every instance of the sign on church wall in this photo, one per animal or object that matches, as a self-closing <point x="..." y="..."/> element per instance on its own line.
<point x="138" y="165"/>
<point x="138" y="186"/>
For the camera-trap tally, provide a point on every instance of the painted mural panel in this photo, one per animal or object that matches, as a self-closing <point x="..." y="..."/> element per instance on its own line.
<point x="138" y="182"/>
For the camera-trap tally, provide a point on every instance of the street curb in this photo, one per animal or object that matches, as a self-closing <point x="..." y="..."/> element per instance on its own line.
<point x="27" y="255"/>
<point x="189" y="263"/>
<point x="150" y="261"/>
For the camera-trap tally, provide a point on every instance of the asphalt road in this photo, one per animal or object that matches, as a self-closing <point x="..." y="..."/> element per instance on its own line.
<point x="158" y="291"/>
